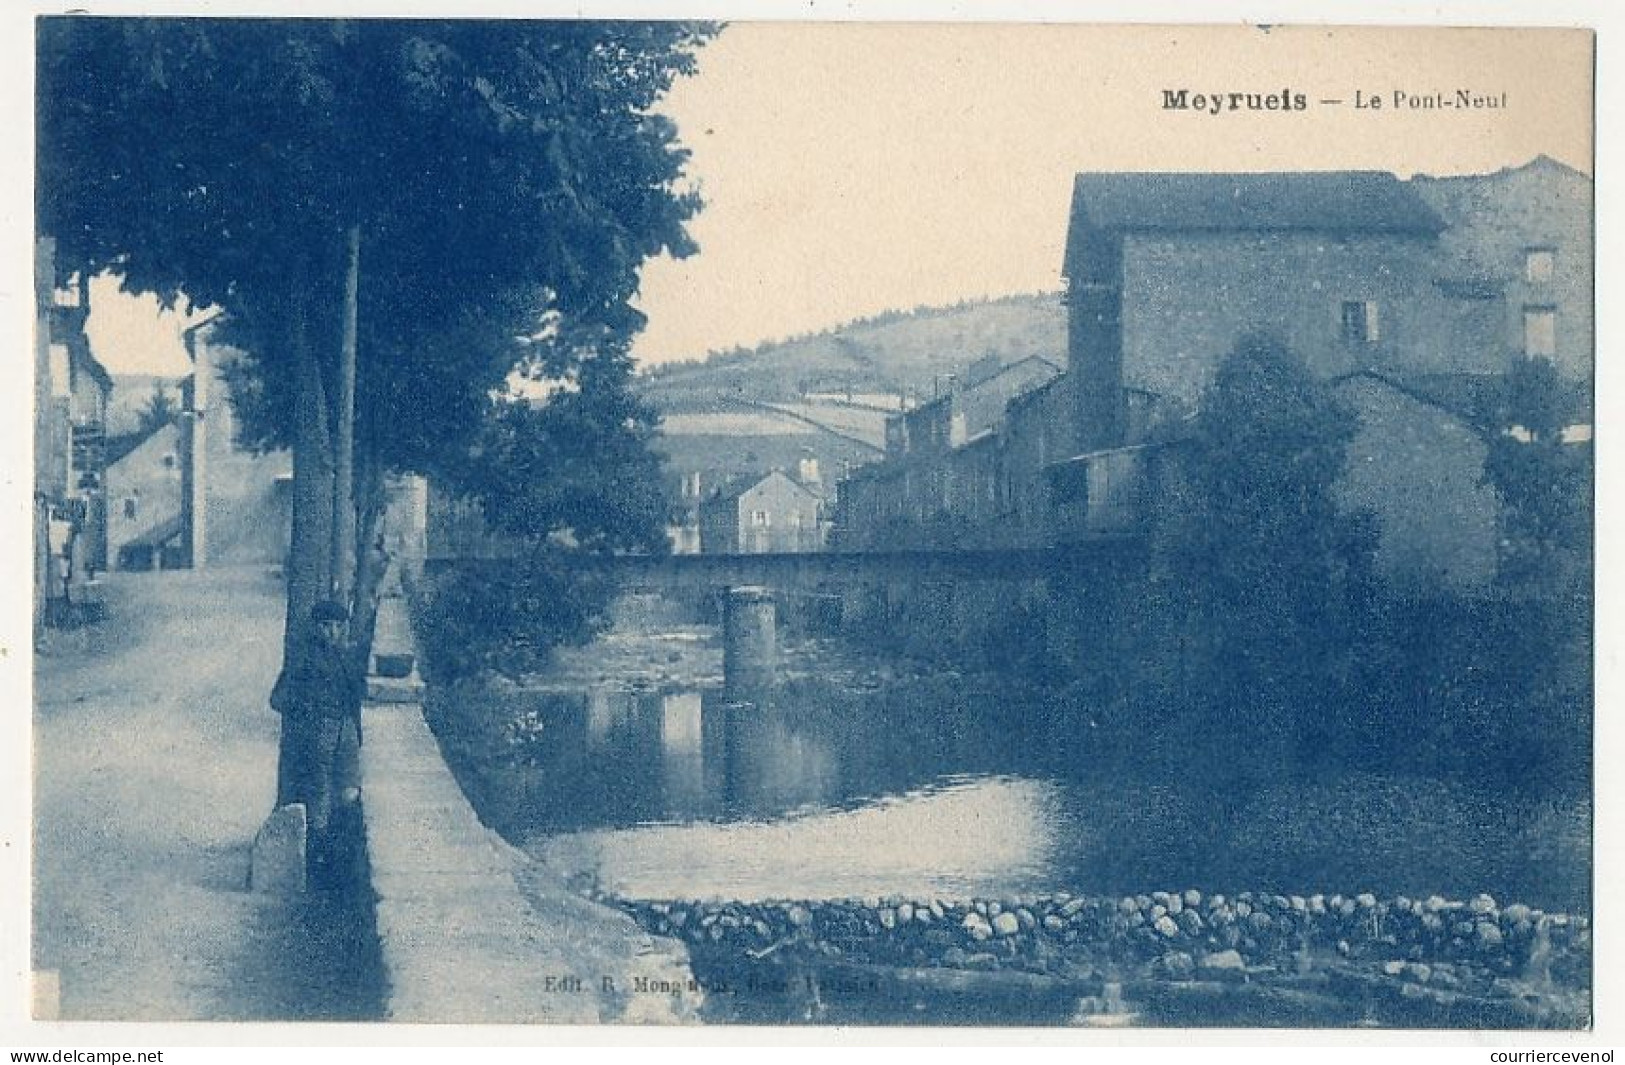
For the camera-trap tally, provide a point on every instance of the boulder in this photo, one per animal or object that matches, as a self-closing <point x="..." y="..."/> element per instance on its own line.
<point x="1006" y="924"/>
<point x="1175" y="966"/>
<point x="276" y="864"/>
<point x="1222" y="962"/>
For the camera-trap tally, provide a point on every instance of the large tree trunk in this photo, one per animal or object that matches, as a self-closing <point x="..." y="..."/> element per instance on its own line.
<point x="309" y="551"/>
<point x="371" y="554"/>
<point x="344" y="557"/>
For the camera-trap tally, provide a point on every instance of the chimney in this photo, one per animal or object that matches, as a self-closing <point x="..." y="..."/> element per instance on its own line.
<point x="807" y="471"/>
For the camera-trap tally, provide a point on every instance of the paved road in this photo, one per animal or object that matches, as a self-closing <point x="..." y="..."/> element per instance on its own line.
<point x="155" y="758"/>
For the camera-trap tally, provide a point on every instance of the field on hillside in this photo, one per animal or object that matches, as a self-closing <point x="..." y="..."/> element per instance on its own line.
<point x="890" y="354"/>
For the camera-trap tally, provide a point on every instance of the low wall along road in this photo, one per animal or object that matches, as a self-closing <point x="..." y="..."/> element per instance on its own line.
<point x="470" y="929"/>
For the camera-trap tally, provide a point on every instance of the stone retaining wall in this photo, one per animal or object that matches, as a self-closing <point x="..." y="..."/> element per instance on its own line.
<point x="470" y="929"/>
<point x="1448" y="962"/>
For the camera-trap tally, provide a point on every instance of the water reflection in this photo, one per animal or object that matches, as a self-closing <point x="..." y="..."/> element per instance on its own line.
<point x="617" y="759"/>
<point x="826" y="792"/>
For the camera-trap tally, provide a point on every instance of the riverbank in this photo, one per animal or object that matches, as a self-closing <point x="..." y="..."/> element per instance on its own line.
<point x="997" y="829"/>
<point x="1164" y="958"/>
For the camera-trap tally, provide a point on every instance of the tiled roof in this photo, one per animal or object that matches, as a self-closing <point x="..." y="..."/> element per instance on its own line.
<point x="1347" y="201"/>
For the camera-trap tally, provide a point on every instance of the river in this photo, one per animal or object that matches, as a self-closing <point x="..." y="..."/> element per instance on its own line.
<point x="867" y="783"/>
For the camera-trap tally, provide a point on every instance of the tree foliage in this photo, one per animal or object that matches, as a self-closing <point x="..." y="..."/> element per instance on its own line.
<point x="498" y="170"/>
<point x="158" y="411"/>
<point x="1544" y="484"/>
<point x="505" y="181"/>
<point x="1265" y="554"/>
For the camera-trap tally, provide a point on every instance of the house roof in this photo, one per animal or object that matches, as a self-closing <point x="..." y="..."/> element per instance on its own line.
<point x="981" y="383"/>
<point x="735" y="487"/>
<point x="1347" y="201"/>
<point x="1540" y="163"/>
<point x="1474" y="398"/>
<point x="1470" y="398"/>
<point x="159" y="534"/>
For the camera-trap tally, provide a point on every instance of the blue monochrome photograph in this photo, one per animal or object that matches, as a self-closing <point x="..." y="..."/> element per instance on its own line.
<point x="565" y="522"/>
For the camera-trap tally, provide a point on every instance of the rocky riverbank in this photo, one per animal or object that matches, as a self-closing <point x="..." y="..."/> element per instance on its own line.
<point x="1476" y="961"/>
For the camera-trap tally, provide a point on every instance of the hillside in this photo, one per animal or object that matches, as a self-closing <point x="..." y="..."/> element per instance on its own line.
<point x="827" y="396"/>
<point x="892" y="353"/>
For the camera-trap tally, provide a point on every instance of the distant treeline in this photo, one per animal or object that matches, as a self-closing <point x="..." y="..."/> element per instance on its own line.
<point x="741" y="354"/>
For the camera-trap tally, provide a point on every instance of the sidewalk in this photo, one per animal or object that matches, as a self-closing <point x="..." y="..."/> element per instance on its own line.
<point x="154" y="765"/>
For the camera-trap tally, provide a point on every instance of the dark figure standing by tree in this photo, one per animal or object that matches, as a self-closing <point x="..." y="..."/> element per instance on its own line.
<point x="319" y="696"/>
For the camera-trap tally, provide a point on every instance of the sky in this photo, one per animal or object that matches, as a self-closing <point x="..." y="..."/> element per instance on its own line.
<point x="849" y="168"/>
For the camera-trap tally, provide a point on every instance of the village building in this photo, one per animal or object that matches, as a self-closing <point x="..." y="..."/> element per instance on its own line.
<point x="771" y="514"/>
<point x="70" y="417"/>
<point x="1411" y="298"/>
<point x="973" y="405"/>
<point x="181" y="493"/>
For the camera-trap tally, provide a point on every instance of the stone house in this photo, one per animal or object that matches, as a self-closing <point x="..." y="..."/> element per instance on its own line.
<point x="1522" y="238"/>
<point x="772" y="514"/>
<point x="145" y="516"/>
<point x="1412" y="297"/>
<point x="947" y="478"/>
<point x="1418" y="464"/>
<point x="185" y="495"/>
<point x="972" y="406"/>
<point x="71" y="390"/>
<point x="1165" y="271"/>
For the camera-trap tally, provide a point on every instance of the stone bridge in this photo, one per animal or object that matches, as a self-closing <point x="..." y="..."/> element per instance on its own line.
<point x="754" y="590"/>
<point x="793" y="572"/>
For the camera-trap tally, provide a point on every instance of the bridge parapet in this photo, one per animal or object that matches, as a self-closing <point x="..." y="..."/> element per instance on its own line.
<point x="808" y="570"/>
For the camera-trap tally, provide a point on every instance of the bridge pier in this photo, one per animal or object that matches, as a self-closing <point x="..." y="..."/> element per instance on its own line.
<point x="750" y="640"/>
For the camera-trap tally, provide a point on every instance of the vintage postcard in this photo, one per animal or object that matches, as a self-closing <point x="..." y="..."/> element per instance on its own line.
<point x="620" y="522"/>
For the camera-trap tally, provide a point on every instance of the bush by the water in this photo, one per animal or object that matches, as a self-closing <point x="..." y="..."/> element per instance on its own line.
<point x="507" y="618"/>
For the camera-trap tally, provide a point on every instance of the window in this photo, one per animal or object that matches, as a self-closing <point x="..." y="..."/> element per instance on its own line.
<point x="61" y="371"/>
<point x="1360" y="322"/>
<point x="759" y="519"/>
<point x="1539" y="264"/>
<point x="1540" y="332"/>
